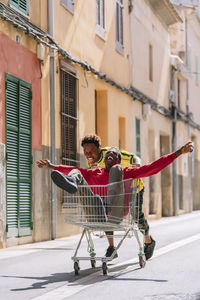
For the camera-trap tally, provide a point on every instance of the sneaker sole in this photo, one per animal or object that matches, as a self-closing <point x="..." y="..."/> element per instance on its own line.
<point x="59" y="179"/>
<point x="149" y="254"/>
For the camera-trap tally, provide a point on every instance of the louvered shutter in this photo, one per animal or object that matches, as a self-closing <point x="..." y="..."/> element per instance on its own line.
<point x="19" y="157"/>
<point x="12" y="156"/>
<point x="25" y="158"/>
<point x="68" y="118"/>
<point x="22" y="5"/>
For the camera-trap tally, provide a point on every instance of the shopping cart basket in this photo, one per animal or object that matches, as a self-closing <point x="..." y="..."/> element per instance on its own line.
<point x="104" y="208"/>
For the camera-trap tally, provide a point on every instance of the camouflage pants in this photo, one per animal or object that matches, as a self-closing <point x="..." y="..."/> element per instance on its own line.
<point x="142" y="221"/>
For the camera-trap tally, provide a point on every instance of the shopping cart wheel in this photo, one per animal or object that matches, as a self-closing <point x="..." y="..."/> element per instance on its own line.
<point x="76" y="268"/>
<point x="104" y="268"/>
<point x="93" y="263"/>
<point x="142" y="262"/>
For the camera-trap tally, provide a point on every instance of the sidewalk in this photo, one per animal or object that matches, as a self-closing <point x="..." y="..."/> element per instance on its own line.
<point x="38" y="246"/>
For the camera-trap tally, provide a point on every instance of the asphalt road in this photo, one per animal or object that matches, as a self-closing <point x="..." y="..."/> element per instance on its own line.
<point x="44" y="271"/>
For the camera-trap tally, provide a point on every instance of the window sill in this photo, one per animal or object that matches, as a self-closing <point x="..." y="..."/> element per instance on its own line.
<point x="119" y="48"/>
<point x="100" y="32"/>
<point x="68" y="8"/>
<point x="19" y="11"/>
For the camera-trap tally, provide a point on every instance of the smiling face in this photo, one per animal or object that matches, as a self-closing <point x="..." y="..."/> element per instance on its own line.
<point x="92" y="153"/>
<point x="112" y="157"/>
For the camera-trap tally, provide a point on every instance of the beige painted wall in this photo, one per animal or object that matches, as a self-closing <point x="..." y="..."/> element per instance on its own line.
<point x="77" y="34"/>
<point x="151" y="31"/>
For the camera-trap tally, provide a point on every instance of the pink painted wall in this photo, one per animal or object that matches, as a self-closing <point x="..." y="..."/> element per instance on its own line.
<point x="22" y="63"/>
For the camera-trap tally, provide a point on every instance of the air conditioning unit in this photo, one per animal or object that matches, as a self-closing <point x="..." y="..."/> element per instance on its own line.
<point x="146" y="110"/>
<point x="172" y="96"/>
<point x="40" y="51"/>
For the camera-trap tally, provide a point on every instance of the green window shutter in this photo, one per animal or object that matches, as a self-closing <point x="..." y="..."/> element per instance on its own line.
<point x="12" y="156"/>
<point x="22" y="5"/>
<point x="25" y="159"/>
<point x="138" y="147"/>
<point x="19" y="157"/>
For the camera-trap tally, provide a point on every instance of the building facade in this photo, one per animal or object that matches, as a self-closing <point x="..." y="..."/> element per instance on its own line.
<point x="69" y="68"/>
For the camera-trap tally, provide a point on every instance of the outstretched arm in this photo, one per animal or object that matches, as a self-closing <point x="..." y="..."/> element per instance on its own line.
<point x="158" y="165"/>
<point x="46" y="164"/>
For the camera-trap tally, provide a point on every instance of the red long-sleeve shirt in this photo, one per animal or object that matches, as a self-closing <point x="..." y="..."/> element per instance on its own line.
<point x="99" y="176"/>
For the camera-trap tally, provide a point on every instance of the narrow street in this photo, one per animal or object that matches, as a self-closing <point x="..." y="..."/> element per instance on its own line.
<point x="44" y="271"/>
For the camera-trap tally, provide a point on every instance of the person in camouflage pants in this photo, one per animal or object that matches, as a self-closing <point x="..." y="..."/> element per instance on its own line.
<point x="95" y="158"/>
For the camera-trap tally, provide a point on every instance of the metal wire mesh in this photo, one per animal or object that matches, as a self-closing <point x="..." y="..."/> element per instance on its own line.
<point x="103" y="207"/>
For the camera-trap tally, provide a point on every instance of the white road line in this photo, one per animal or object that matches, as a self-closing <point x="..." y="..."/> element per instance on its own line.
<point x="68" y="290"/>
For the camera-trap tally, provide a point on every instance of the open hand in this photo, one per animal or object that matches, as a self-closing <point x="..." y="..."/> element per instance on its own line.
<point x="43" y="163"/>
<point x="187" y="148"/>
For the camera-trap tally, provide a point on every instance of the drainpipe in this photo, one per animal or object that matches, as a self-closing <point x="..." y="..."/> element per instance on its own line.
<point x="187" y="64"/>
<point x="174" y="147"/>
<point x="52" y="119"/>
<point x="131" y="41"/>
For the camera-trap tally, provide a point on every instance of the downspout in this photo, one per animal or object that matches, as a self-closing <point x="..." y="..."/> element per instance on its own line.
<point x="131" y="42"/>
<point x="174" y="147"/>
<point x="52" y="120"/>
<point x="187" y="64"/>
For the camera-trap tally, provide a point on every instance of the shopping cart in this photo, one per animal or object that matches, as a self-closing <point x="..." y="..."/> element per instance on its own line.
<point x="104" y="208"/>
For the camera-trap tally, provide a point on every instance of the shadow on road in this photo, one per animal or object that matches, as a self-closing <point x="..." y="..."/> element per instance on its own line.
<point x="86" y="277"/>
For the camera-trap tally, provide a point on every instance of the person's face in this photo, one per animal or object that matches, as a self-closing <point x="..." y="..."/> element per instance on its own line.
<point x="111" y="159"/>
<point x="91" y="153"/>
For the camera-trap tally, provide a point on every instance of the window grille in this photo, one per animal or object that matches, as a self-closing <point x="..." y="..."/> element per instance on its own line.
<point x="69" y="118"/>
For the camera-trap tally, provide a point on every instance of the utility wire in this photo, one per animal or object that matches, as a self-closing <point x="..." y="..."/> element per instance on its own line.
<point x="10" y="15"/>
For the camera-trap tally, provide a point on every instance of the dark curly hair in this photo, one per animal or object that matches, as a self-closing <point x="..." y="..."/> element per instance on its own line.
<point x="91" y="139"/>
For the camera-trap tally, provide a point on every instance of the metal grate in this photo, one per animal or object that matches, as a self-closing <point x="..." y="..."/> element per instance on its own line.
<point x="69" y="118"/>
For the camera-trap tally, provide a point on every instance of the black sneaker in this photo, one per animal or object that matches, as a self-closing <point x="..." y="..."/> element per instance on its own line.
<point x="64" y="182"/>
<point x="149" y="248"/>
<point x="110" y="251"/>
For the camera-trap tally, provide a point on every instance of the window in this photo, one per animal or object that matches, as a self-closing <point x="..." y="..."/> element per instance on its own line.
<point x="101" y="115"/>
<point x="100" y="18"/>
<point x="138" y="147"/>
<point x="196" y="69"/>
<point x="21" y="5"/>
<point x="69" y="118"/>
<point x="150" y="62"/>
<point x="119" y="25"/>
<point x="18" y="157"/>
<point x="68" y="4"/>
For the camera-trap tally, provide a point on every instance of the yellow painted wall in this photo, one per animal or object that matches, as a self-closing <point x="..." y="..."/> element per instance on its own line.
<point x="77" y="34"/>
<point x="147" y="28"/>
